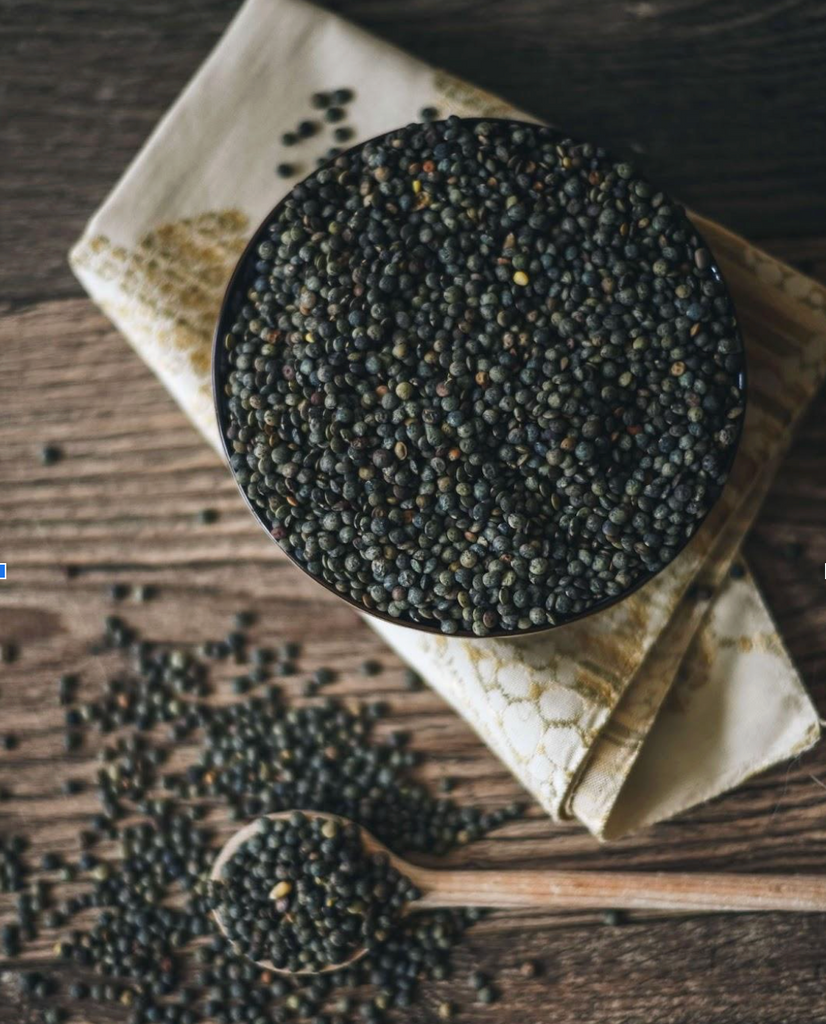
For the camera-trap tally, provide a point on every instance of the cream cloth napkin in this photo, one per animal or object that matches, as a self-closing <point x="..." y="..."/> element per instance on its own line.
<point x="671" y="697"/>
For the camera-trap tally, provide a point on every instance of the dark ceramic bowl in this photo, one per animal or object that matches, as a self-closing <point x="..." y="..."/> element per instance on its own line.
<point x="234" y="298"/>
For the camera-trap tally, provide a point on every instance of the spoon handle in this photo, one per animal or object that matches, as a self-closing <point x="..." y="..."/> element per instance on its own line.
<point x="630" y="890"/>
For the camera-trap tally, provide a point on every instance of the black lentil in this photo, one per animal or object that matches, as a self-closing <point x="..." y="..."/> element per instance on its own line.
<point x="66" y="688"/>
<point x="412" y="680"/>
<point x="370" y="667"/>
<point x="285" y="170"/>
<point x="12" y="866"/>
<point x="50" y="454"/>
<point x="207" y="516"/>
<point x="320" y="100"/>
<point x="482" y="381"/>
<point x="334" y="114"/>
<point x="324" y="676"/>
<point x="307" y="129"/>
<point x="342" y="96"/>
<point x="428" y="113"/>
<point x="289" y="138"/>
<point x="8" y="653"/>
<point x="343" y="134"/>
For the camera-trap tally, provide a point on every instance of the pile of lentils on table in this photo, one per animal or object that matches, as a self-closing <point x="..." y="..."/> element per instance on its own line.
<point x="191" y="744"/>
<point x="480" y="377"/>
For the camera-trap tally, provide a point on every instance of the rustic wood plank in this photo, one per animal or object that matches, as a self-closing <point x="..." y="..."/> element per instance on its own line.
<point x="122" y="505"/>
<point x="725" y="104"/>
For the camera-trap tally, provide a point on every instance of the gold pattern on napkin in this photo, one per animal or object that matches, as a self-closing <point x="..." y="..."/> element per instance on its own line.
<point x="581" y="715"/>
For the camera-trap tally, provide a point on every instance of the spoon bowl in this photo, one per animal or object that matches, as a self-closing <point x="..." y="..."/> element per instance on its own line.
<point x="237" y="840"/>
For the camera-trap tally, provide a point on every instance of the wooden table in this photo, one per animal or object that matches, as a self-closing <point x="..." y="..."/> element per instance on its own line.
<point x="726" y="104"/>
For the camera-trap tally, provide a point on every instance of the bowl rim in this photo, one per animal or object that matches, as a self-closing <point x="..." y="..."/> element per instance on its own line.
<point x="228" y="309"/>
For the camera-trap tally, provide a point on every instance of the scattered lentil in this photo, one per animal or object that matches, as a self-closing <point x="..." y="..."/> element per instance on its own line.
<point x="150" y="895"/>
<point x="8" y="653"/>
<point x="324" y="676"/>
<point x="412" y="680"/>
<point x="50" y="454"/>
<point x="66" y="688"/>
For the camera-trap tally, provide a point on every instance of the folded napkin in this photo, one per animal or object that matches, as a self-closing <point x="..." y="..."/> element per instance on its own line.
<point x="669" y="698"/>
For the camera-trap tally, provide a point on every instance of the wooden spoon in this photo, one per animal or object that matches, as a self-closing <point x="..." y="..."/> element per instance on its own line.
<point x="572" y="890"/>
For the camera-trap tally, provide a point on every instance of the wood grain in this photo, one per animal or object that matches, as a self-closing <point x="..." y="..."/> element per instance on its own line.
<point x="725" y="103"/>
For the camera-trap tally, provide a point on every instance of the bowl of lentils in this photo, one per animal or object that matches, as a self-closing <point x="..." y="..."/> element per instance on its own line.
<point x="479" y="378"/>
